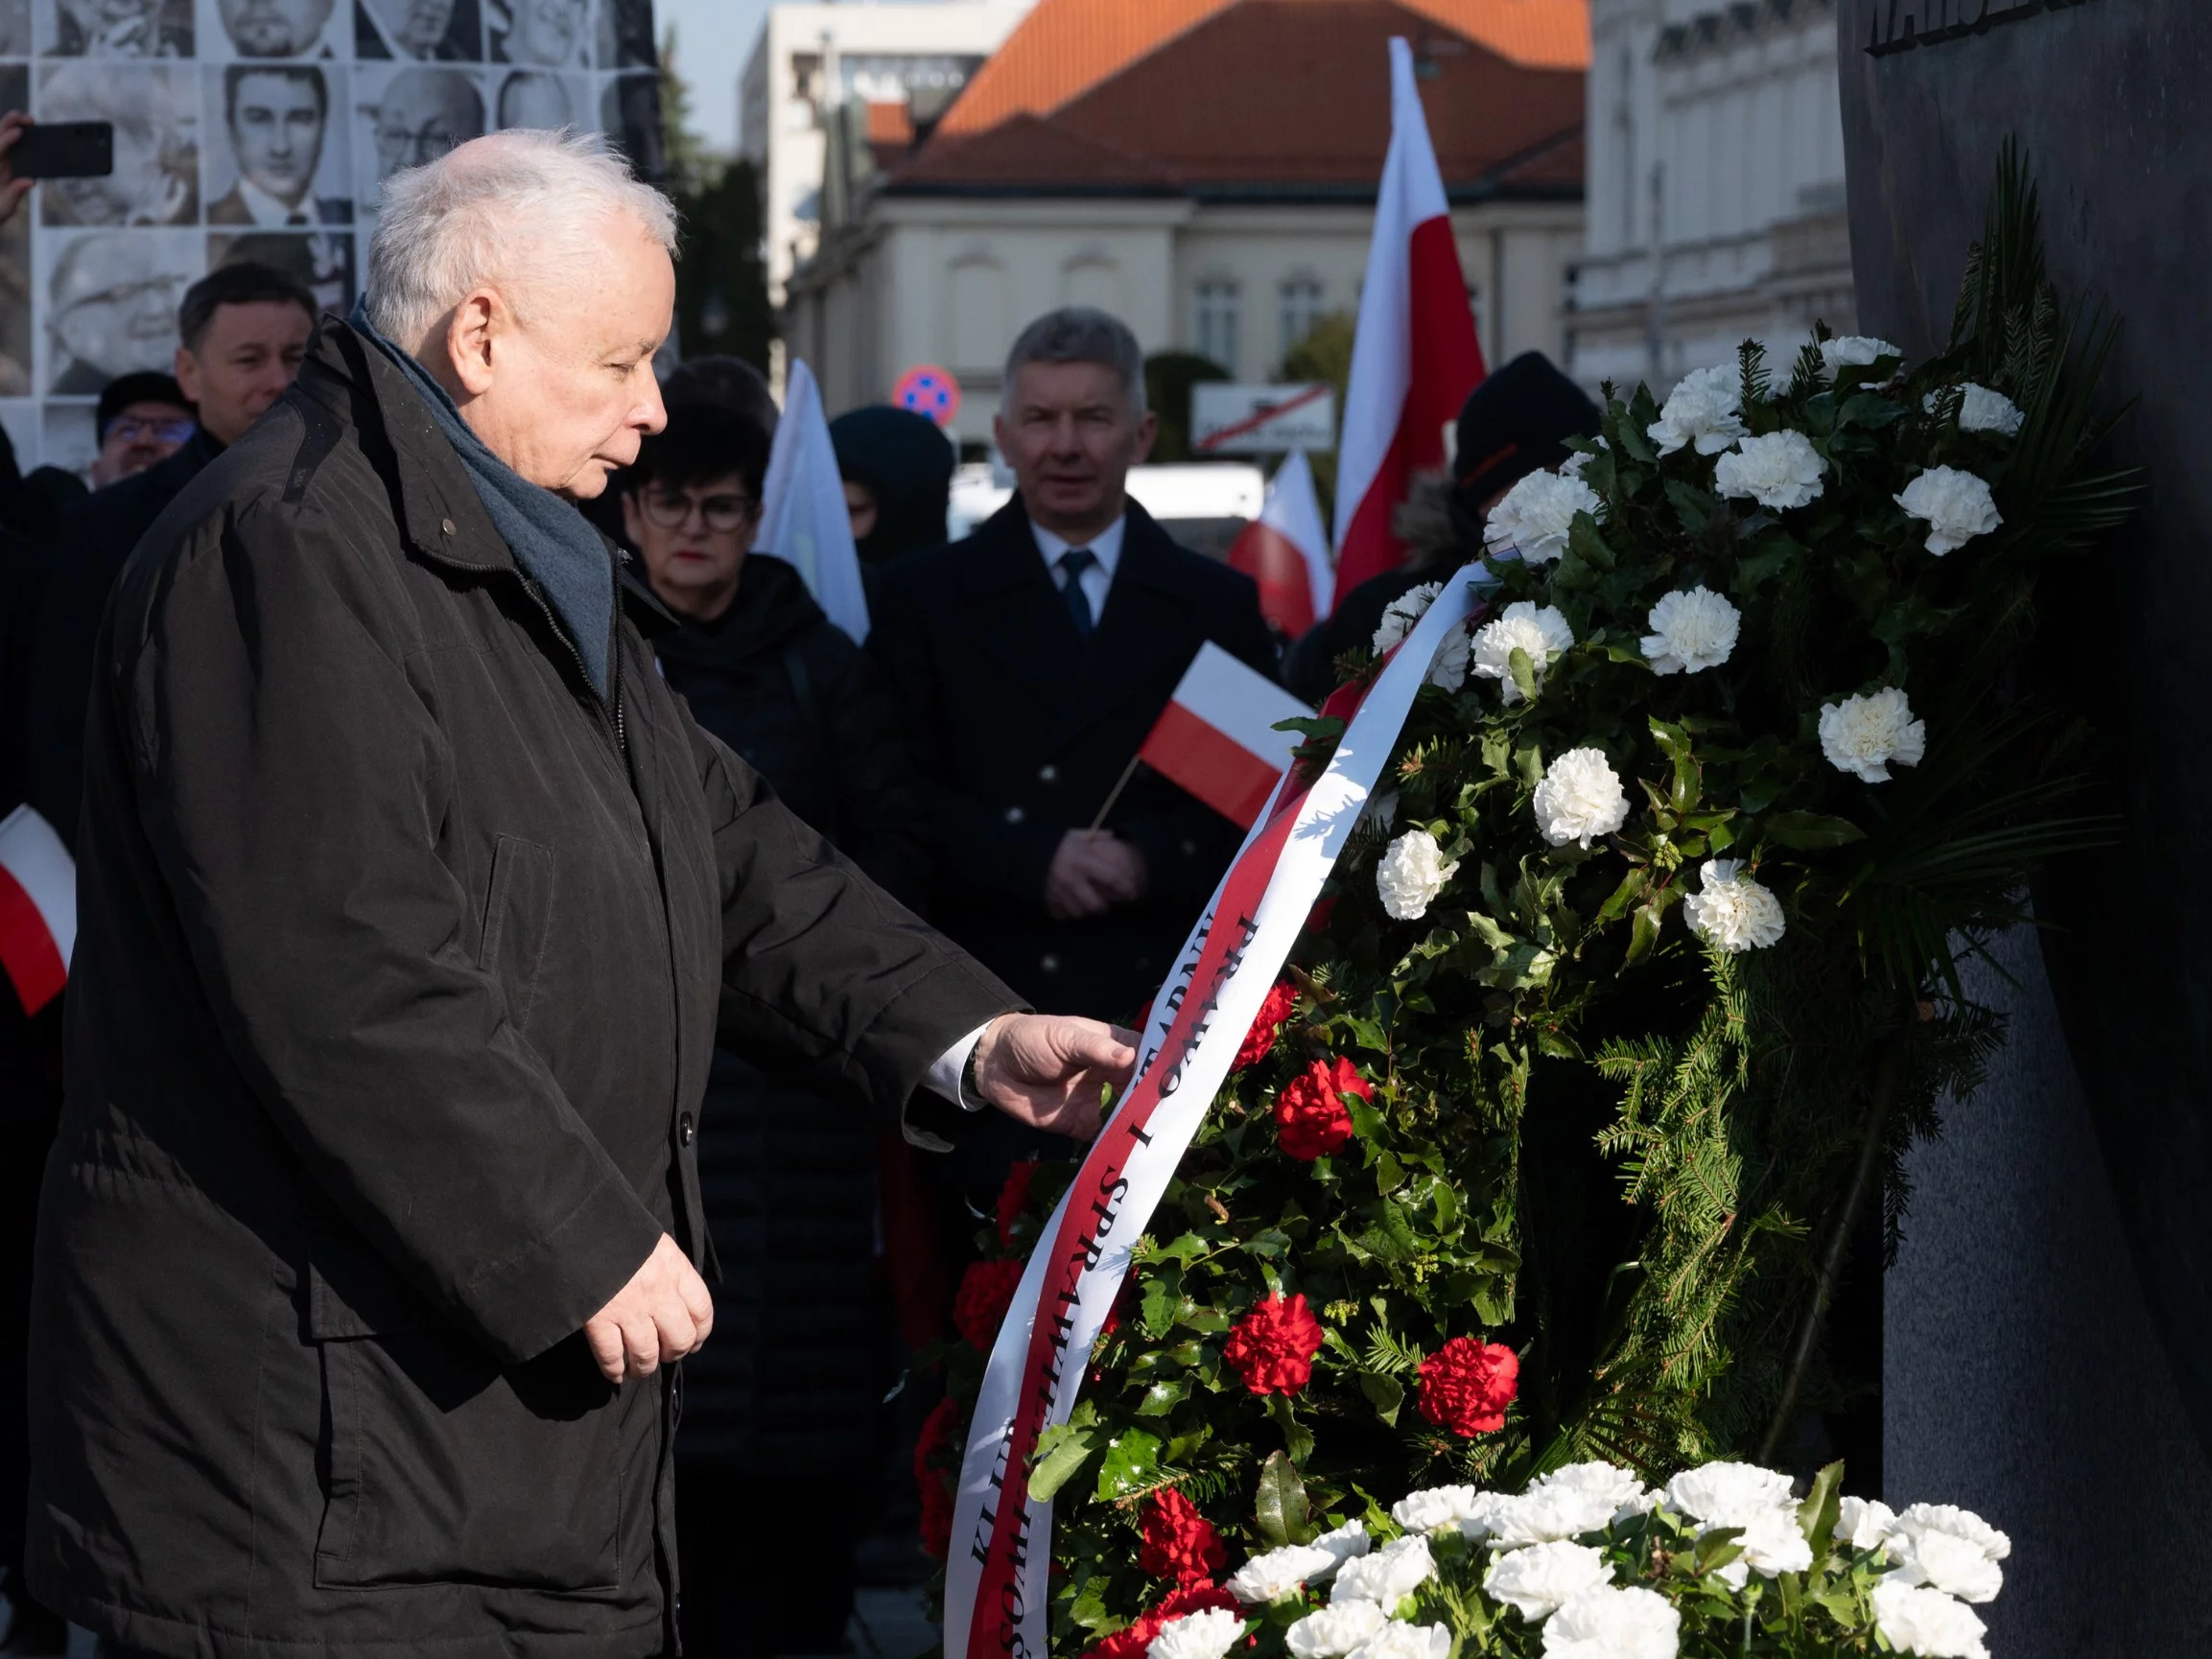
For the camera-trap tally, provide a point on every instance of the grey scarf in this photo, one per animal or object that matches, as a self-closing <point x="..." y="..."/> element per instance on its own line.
<point x="552" y="542"/>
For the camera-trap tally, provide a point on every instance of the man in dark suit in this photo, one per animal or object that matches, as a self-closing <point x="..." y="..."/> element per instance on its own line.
<point x="1034" y="657"/>
<point x="277" y="115"/>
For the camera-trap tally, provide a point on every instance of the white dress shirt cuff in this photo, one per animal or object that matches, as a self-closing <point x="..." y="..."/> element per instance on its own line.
<point x="945" y="1075"/>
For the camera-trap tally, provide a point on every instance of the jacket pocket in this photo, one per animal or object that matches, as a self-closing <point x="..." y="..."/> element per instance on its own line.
<point x="517" y="920"/>
<point x="442" y="1467"/>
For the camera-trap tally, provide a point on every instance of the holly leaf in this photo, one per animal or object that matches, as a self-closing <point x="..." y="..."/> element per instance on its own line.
<point x="1281" y="1506"/>
<point x="1132" y="1464"/>
<point x="1384" y="1393"/>
<point x="1818" y="1514"/>
<point x="1061" y="1451"/>
<point x="1811" y="832"/>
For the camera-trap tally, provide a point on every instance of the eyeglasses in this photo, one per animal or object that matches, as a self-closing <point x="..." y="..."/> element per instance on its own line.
<point x="133" y="429"/>
<point x="672" y="510"/>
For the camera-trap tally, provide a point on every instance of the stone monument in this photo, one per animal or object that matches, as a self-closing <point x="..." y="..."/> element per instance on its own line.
<point x="2049" y="1326"/>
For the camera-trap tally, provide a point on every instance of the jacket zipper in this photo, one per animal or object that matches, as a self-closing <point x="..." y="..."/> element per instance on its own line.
<point x="614" y="728"/>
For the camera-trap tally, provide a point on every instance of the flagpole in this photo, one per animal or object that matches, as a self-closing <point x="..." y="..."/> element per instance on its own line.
<point x="1120" y="784"/>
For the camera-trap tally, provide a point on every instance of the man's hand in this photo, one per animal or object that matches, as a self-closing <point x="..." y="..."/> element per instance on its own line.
<point x="1092" y="871"/>
<point x="1050" y="1070"/>
<point x="12" y="190"/>
<point x="663" y="1314"/>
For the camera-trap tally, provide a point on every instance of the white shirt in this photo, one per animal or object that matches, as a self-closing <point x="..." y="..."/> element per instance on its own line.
<point x="1105" y="546"/>
<point x="269" y="212"/>
<point x="943" y="1078"/>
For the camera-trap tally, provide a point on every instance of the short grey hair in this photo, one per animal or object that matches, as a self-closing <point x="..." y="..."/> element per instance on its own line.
<point x="1083" y="333"/>
<point x="523" y="199"/>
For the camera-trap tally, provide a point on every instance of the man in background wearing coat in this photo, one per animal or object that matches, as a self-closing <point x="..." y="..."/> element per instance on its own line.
<point x="1034" y="657"/>
<point x="412" y="904"/>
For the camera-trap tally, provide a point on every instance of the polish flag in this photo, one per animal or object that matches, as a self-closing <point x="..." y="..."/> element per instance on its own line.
<point x="1216" y="735"/>
<point x="37" y="907"/>
<point x="1285" y="550"/>
<point x="804" y="521"/>
<point x="1415" y="357"/>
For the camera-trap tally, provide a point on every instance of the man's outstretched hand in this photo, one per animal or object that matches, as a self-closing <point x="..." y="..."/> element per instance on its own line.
<point x="1050" y="1070"/>
<point x="663" y="1314"/>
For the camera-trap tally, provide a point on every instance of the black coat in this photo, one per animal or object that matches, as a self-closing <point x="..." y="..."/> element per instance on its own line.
<point x="790" y="1385"/>
<point x="90" y="547"/>
<point x="1028" y="727"/>
<point x="401" y="958"/>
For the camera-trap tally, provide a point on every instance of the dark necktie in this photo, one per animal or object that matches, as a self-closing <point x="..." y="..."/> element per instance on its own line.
<point x="1072" y="564"/>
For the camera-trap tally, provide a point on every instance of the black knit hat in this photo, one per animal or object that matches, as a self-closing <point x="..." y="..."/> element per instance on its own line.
<point x="126" y="389"/>
<point x="1516" y="422"/>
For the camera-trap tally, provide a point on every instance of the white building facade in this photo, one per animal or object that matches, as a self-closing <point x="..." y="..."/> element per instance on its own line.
<point x="1715" y="186"/>
<point x="808" y="59"/>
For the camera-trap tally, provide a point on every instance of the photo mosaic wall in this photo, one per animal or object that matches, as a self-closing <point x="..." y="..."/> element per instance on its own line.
<point x="259" y="130"/>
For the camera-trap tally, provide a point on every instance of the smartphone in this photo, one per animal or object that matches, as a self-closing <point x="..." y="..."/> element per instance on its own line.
<point x="64" y="150"/>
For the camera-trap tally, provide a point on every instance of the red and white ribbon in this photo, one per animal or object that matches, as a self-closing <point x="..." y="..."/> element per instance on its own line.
<point x="995" y="1581"/>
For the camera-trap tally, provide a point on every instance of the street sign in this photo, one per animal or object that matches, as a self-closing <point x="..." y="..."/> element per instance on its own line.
<point x="929" y="390"/>
<point x="1248" y="420"/>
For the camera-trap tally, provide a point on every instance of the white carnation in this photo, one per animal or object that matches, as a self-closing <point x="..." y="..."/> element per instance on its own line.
<point x="1982" y="410"/>
<point x="1346" y="1542"/>
<point x="1279" y="1572"/>
<point x="1449" y="668"/>
<point x="1854" y="351"/>
<point x="1537" y="1582"/>
<point x="1580" y="799"/>
<point x="1435" y="1508"/>
<point x="1732" y="912"/>
<point x="1534" y="517"/>
<point x="1951" y="1549"/>
<point x="1863" y="735"/>
<point x="1706" y="409"/>
<point x="1548" y="1514"/>
<point x="1402" y="612"/>
<point x="1605" y="1484"/>
<point x="1333" y="1632"/>
<point x="1927" y="1621"/>
<point x="1955" y="506"/>
<point x="1411" y="875"/>
<point x="1690" y="632"/>
<point x="1578" y="461"/>
<point x="1864" y="1522"/>
<point x="1729" y="1494"/>
<point x="1772" y="1542"/>
<point x="1388" y="1577"/>
<point x="1610" y="1624"/>
<point x="1524" y="625"/>
<point x="1207" y="1634"/>
<point x="1399" y="1640"/>
<point x="1778" y="470"/>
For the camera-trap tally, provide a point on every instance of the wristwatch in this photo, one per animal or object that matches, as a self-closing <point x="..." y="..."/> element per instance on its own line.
<point x="970" y="1099"/>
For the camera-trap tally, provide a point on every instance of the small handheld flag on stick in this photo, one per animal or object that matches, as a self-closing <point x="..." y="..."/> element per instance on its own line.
<point x="1216" y="737"/>
<point x="38" y="908"/>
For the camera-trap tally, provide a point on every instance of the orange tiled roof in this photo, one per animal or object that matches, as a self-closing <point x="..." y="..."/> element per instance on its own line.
<point x="1065" y="47"/>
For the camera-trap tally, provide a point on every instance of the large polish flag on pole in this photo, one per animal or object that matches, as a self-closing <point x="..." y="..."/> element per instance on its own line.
<point x="1415" y="357"/>
<point x="38" y="908"/>
<point x="1285" y="550"/>
<point x="804" y="521"/>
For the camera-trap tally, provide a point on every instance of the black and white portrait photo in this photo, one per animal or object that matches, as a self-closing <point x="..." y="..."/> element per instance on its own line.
<point x="626" y="34"/>
<point x="426" y="30"/>
<point x="407" y="116"/>
<point x="541" y="98"/>
<point x="115" y="28"/>
<point x="274" y="156"/>
<point x="273" y="29"/>
<point x="15" y="29"/>
<point x="155" y="112"/>
<point x="320" y="263"/>
<point x="547" y="33"/>
<point x="111" y="300"/>
<point x="630" y="116"/>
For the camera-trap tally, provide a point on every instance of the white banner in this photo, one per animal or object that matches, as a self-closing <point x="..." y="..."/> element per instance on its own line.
<point x="996" y="1584"/>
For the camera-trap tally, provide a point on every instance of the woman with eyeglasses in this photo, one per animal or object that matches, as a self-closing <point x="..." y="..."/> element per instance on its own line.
<point x="789" y="1387"/>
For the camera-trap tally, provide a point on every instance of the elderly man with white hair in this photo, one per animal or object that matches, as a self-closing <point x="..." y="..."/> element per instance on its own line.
<point x="411" y="905"/>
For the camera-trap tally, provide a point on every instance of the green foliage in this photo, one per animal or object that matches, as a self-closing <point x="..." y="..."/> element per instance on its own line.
<point x="1593" y="1137"/>
<point x="1169" y="377"/>
<point x="721" y="284"/>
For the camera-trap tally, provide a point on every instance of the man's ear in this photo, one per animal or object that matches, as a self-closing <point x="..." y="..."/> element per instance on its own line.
<point x="475" y="334"/>
<point x="186" y="368"/>
<point x="1147" y="430"/>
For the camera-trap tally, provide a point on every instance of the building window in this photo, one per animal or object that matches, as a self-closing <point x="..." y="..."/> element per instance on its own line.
<point x="1301" y="299"/>
<point x="1216" y="323"/>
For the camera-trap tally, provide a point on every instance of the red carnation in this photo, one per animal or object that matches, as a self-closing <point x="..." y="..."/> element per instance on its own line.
<point x="1311" y="1118"/>
<point x="986" y="1292"/>
<point x="1273" y="1345"/>
<point x="1467" y="1384"/>
<point x="940" y="1432"/>
<point x="1013" y="1198"/>
<point x="1131" y="1643"/>
<point x="1272" y="1013"/>
<point x="1178" y="1542"/>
